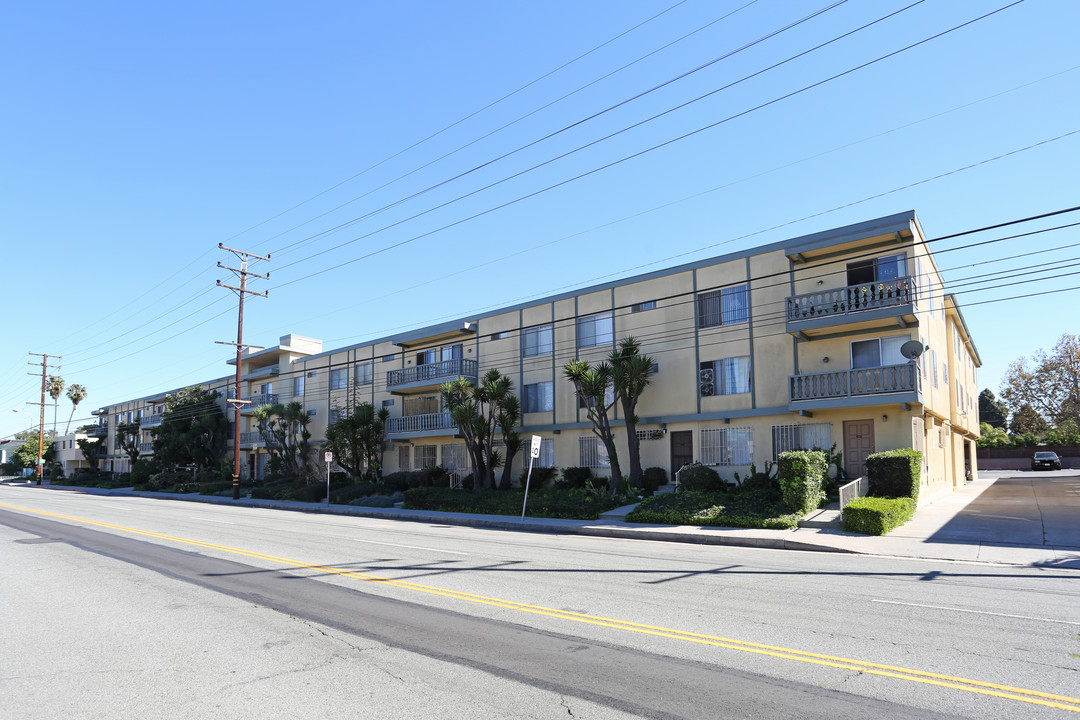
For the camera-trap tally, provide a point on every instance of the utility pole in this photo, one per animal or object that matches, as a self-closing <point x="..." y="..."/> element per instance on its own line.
<point x="241" y="272"/>
<point x="41" y="426"/>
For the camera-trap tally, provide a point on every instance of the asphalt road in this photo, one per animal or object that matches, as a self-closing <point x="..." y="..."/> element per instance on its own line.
<point x="130" y="607"/>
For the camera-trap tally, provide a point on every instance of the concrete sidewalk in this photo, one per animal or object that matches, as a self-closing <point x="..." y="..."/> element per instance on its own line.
<point x="1003" y="517"/>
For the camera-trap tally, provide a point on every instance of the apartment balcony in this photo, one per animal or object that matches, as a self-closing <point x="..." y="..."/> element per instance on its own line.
<point x="146" y="447"/>
<point x="426" y="424"/>
<point x="257" y="400"/>
<point x="869" y="306"/>
<point x="99" y="431"/>
<point x="891" y="384"/>
<point x="150" y="421"/>
<point x="255" y="439"/>
<point x="430" y="376"/>
<point x="263" y="372"/>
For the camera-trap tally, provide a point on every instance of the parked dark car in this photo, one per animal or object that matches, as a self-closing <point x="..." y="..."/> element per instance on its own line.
<point x="1046" y="461"/>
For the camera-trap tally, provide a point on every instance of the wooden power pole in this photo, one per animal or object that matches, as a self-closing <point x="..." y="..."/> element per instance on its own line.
<point x="44" y="387"/>
<point x="241" y="272"/>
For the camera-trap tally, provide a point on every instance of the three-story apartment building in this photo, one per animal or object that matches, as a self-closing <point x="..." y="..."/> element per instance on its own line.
<point x="844" y="337"/>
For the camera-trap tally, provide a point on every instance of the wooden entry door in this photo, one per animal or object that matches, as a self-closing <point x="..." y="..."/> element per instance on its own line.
<point x="682" y="450"/>
<point x="858" y="443"/>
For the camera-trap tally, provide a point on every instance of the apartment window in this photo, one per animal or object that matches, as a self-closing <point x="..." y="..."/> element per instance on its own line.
<point x="538" y="397"/>
<point x="365" y="374"/>
<point x="266" y="389"/>
<point x="434" y="355"/>
<point x="312" y="413"/>
<point x="945" y="372"/>
<point x="877" y="352"/>
<point x="594" y="330"/>
<point x="592" y="453"/>
<point x="609" y="398"/>
<point x="801" y="436"/>
<point x="727" y="376"/>
<point x="388" y="403"/>
<point x="642" y="307"/>
<point x="339" y="379"/>
<point x="933" y="366"/>
<point x="312" y="373"/>
<point x="389" y="358"/>
<point x="336" y="414"/>
<point x="536" y="340"/>
<point x="878" y="269"/>
<point x="723" y="307"/>
<point x="427" y="456"/>
<point x="547" y="454"/>
<point x="727" y="446"/>
<point x="298" y="386"/>
<point x="498" y="336"/>
<point x="455" y="458"/>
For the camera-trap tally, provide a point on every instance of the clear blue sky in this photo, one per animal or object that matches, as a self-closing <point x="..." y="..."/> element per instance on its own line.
<point x="137" y="136"/>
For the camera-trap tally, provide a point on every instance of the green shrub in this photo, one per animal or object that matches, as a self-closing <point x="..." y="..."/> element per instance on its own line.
<point x="759" y="480"/>
<point x="315" y="492"/>
<point x="575" y="503"/>
<point x="695" y="507"/>
<point x="141" y="471"/>
<point x="576" y="477"/>
<point x="215" y="487"/>
<point x="382" y="501"/>
<point x="56" y="473"/>
<point x="541" y="476"/>
<point x="653" y="478"/>
<point x="877" y="515"/>
<point x="432" y="477"/>
<point x="400" y="481"/>
<point x="802" y="475"/>
<point x="894" y="473"/>
<point x="700" y="477"/>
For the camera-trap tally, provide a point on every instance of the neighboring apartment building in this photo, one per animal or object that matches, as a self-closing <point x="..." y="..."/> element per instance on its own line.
<point x="795" y="344"/>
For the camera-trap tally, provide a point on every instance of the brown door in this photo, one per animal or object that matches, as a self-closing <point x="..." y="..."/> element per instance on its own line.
<point x="858" y="443"/>
<point x="682" y="450"/>
<point x="403" y="457"/>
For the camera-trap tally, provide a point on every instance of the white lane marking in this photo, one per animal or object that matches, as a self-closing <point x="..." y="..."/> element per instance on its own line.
<point x="206" y="519"/>
<point x="411" y="547"/>
<point x="977" y="612"/>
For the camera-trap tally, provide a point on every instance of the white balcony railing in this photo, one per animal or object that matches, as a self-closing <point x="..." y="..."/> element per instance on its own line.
<point x="420" y="423"/>
<point x="852" y="299"/>
<point x="260" y="399"/>
<point x="436" y="371"/>
<point x="150" y="421"/>
<point x="851" y="383"/>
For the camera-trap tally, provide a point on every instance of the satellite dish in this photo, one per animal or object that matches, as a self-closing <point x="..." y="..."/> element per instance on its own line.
<point x="912" y="349"/>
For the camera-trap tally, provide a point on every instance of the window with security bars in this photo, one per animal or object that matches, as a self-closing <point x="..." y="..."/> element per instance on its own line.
<point x="592" y="453"/>
<point x="725" y="306"/>
<point x="727" y="446"/>
<point x="426" y="456"/>
<point x="455" y="458"/>
<point x="801" y="436"/>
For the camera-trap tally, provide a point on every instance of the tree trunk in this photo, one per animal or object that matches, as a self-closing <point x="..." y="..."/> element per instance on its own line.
<point x="507" y="480"/>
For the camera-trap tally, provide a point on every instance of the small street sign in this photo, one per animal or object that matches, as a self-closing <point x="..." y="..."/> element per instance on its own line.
<point x="534" y="447"/>
<point x="329" y="456"/>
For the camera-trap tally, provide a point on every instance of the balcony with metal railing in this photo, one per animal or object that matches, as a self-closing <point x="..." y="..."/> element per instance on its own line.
<point x="848" y="388"/>
<point x="430" y="375"/>
<point x="150" y="420"/>
<point x="256" y="438"/>
<point x="257" y="400"/>
<point x="886" y="303"/>
<point x="436" y="423"/>
<point x="98" y="431"/>
<point x="146" y="447"/>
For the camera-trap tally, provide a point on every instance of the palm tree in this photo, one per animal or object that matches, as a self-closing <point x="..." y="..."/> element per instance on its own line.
<point x="76" y="394"/>
<point x="631" y="373"/>
<point x="55" y="388"/>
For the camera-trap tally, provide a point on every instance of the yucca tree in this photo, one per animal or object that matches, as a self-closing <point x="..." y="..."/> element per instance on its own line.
<point x="284" y="426"/>
<point x="631" y="373"/>
<point x="507" y="420"/>
<point x="55" y="388"/>
<point x="476" y="410"/>
<point x="76" y="394"/>
<point x="592" y="384"/>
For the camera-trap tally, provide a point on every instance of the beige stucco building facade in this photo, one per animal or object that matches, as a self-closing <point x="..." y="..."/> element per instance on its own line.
<point x="842" y="337"/>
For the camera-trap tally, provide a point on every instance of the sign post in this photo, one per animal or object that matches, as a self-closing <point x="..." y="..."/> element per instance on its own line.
<point x="534" y="452"/>
<point x="329" y="457"/>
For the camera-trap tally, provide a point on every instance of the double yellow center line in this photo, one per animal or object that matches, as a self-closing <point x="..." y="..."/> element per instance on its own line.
<point x="1007" y="692"/>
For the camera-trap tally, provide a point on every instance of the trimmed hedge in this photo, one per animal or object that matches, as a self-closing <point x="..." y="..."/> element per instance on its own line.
<point x="802" y="478"/>
<point x="894" y="473"/>
<point x="702" y="478"/>
<point x="877" y="515"/>
<point x="695" y="507"/>
<point x="653" y="478"/>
